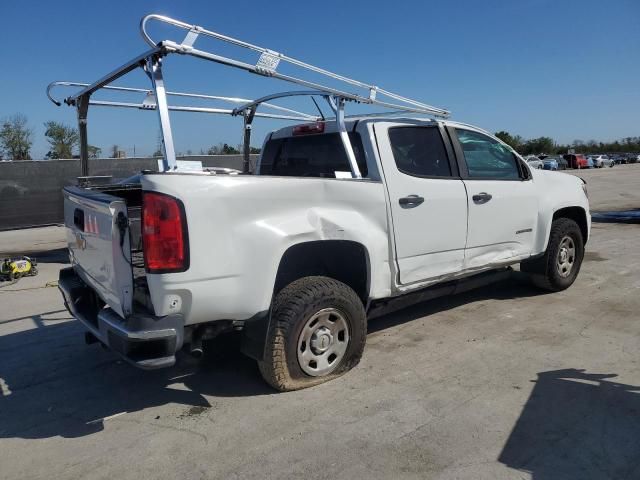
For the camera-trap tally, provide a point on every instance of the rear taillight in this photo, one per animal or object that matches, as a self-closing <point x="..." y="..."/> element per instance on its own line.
<point x="164" y="234"/>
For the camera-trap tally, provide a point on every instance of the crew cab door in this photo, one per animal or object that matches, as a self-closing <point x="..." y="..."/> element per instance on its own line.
<point x="503" y="205"/>
<point x="428" y="200"/>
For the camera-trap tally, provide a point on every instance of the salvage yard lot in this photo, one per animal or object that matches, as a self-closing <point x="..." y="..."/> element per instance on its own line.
<point x="499" y="383"/>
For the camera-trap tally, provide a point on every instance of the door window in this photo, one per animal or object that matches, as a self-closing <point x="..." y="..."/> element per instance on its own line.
<point x="487" y="158"/>
<point x="419" y="151"/>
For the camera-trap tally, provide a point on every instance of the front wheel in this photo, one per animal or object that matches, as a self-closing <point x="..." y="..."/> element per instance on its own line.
<point x="558" y="268"/>
<point x="317" y="332"/>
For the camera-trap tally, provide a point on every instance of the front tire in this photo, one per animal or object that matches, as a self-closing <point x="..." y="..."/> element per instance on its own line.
<point x="558" y="268"/>
<point x="317" y="332"/>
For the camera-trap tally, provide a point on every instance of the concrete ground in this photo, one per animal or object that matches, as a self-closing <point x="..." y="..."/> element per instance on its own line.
<point x="504" y="382"/>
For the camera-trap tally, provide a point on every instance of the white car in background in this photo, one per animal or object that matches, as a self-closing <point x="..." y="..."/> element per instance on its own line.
<point x="534" y="162"/>
<point x="600" y="161"/>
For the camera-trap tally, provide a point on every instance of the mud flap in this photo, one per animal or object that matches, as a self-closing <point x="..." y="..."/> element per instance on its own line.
<point x="254" y="335"/>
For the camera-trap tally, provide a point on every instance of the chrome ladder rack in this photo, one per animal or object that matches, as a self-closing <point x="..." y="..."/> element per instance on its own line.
<point x="266" y="65"/>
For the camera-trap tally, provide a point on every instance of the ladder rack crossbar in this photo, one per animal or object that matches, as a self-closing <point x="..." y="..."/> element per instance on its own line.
<point x="187" y="48"/>
<point x="294" y="114"/>
<point x="184" y="108"/>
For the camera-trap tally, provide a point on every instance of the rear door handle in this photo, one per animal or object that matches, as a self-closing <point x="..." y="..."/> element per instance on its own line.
<point x="411" y="201"/>
<point x="481" y="198"/>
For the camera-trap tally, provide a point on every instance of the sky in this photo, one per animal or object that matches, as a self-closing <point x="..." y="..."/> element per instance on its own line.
<point x="565" y="69"/>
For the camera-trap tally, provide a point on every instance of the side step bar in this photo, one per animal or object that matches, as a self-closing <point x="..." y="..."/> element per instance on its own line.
<point x="388" y="305"/>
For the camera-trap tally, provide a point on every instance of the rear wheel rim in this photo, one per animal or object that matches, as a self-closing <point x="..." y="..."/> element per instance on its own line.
<point x="566" y="257"/>
<point x="323" y="342"/>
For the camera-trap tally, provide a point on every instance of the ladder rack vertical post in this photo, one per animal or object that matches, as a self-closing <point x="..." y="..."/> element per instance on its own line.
<point x="82" y="107"/>
<point x="246" y="150"/>
<point x="154" y="70"/>
<point x="337" y="104"/>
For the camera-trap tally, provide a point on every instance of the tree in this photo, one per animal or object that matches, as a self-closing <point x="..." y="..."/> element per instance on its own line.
<point x="226" y="149"/>
<point x="229" y="150"/>
<point x="215" y="149"/>
<point x="159" y="142"/>
<point x="547" y="145"/>
<point x="539" y="145"/>
<point x="62" y="139"/>
<point x="514" y="142"/>
<point x="94" y="152"/>
<point x="15" y="137"/>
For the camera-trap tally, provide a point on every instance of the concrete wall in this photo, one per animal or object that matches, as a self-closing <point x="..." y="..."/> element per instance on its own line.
<point x="31" y="191"/>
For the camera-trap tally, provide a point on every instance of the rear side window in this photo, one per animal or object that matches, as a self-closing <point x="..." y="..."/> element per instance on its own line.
<point x="419" y="151"/>
<point x="486" y="157"/>
<point x="311" y="156"/>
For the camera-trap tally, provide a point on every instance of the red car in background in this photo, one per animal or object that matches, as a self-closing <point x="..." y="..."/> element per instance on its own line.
<point x="576" y="160"/>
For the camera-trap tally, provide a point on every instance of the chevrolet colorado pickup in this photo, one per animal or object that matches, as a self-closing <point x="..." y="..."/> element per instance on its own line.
<point x="298" y="257"/>
<point x="340" y="220"/>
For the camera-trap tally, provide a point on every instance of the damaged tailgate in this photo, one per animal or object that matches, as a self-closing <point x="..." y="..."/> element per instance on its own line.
<point x="99" y="244"/>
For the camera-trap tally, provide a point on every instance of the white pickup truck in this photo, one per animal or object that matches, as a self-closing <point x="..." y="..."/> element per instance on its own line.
<point x="299" y="253"/>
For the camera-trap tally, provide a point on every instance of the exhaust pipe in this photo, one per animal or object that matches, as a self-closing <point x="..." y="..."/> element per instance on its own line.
<point x="207" y="332"/>
<point x="195" y="348"/>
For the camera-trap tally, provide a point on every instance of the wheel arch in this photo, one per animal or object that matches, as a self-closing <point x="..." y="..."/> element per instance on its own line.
<point x="344" y="260"/>
<point x="578" y="215"/>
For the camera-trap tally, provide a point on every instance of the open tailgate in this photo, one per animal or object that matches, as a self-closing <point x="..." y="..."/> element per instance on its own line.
<point x="98" y="240"/>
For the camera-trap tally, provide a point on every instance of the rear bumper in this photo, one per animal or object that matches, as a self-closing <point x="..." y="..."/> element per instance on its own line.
<point x="146" y="341"/>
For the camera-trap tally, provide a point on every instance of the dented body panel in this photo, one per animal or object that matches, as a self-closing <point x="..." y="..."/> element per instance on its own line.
<point x="95" y="247"/>
<point x="240" y="227"/>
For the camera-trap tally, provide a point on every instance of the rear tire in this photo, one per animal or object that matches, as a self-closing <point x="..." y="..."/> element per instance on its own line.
<point x="317" y="332"/>
<point x="558" y="268"/>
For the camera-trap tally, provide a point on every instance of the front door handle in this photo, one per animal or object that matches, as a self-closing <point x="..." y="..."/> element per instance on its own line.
<point x="481" y="198"/>
<point x="411" y="201"/>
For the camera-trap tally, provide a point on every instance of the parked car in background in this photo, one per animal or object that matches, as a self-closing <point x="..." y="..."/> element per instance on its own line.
<point x="550" y="163"/>
<point x="619" y="159"/>
<point x="600" y="161"/>
<point x="562" y="163"/>
<point x="534" y="162"/>
<point x="633" y="158"/>
<point x="576" y="160"/>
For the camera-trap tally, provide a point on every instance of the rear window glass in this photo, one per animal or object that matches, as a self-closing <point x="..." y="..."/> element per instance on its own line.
<point x="419" y="151"/>
<point x="311" y="156"/>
